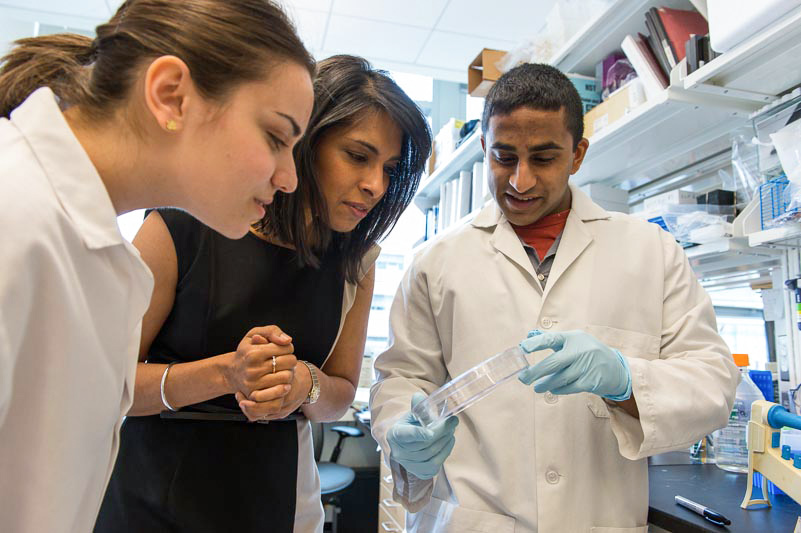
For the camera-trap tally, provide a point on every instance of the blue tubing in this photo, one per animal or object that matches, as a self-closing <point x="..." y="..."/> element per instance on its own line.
<point x="778" y="417"/>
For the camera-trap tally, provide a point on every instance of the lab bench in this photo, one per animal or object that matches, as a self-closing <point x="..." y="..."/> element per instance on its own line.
<point x="719" y="490"/>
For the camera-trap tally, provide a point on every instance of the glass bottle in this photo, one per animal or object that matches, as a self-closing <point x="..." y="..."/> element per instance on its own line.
<point x="730" y="442"/>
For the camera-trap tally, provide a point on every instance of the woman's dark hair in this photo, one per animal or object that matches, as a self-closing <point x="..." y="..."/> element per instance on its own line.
<point x="536" y="86"/>
<point x="345" y="89"/>
<point x="223" y="42"/>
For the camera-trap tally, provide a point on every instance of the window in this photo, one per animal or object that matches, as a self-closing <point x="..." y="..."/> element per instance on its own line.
<point x="745" y="334"/>
<point x="741" y="323"/>
<point x="130" y="223"/>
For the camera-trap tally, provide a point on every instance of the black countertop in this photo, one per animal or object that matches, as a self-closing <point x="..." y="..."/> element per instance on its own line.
<point x="719" y="490"/>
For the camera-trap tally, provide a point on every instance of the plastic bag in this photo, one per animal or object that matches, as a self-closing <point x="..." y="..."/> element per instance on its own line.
<point x="699" y="223"/>
<point x="788" y="147"/>
<point x="563" y="21"/>
<point x="744" y="163"/>
<point x="620" y="73"/>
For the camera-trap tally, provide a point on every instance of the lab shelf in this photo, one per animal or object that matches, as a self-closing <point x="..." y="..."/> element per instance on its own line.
<point x="667" y="127"/>
<point x="788" y="235"/>
<point x="758" y="68"/>
<point x="447" y="231"/>
<point x="729" y="255"/>
<point x="604" y="34"/>
<point x="462" y="159"/>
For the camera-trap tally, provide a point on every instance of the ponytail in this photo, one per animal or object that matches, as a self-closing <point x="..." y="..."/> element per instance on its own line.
<point x="55" y="61"/>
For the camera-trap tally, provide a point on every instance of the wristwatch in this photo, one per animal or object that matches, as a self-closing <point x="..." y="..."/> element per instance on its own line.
<point x="314" y="393"/>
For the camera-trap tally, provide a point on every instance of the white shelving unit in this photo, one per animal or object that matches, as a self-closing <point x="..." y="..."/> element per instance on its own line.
<point x="664" y="128"/>
<point x="462" y="159"/>
<point x="676" y="128"/>
<point x="604" y="34"/>
<point x="781" y="237"/>
<point x="730" y="255"/>
<point x="759" y="68"/>
<point x="702" y="108"/>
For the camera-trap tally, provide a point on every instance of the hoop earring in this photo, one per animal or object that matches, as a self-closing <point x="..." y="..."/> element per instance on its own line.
<point x="172" y="125"/>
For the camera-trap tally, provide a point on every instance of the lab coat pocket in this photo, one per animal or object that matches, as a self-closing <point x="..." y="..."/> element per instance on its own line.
<point x="639" y="529"/>
<point x="445" y="517"/>
<point x="629" y="343"/>
<point x="597" y="406"/>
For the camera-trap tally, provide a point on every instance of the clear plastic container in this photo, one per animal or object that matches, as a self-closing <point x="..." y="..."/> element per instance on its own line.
<point x="731" y="444"/>
<point x="468" y="388"/>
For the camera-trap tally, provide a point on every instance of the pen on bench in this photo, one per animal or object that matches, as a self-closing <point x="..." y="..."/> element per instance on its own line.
<point x="711" y="515"/>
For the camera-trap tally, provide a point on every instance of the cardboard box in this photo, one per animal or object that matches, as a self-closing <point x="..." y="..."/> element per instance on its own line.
<point x="482" y="72"/>
<point x="431" y="165"/>
<point x="614" y="108"/>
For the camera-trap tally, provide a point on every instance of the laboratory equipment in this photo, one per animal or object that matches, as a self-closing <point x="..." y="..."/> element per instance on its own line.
<point x="765" y="455"/>
<point x="731" y="451"/>
<point x="792" y="284"/>
<point x="470" y="387"/>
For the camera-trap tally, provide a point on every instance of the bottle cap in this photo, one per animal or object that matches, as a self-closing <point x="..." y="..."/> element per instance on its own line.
<point x="740" y="359"/>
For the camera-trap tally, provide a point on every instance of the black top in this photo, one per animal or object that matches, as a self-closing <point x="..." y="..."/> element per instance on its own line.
<point x="199" y="476"/>
<point x="226" y="287"/>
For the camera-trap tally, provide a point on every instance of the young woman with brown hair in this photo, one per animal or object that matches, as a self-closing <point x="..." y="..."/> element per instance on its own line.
<point x="187" y="103"/>
<point x="307" y="267"/>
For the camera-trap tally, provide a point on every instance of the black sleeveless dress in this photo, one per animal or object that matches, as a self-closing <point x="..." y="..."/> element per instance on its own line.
<point x="217" y="476"/>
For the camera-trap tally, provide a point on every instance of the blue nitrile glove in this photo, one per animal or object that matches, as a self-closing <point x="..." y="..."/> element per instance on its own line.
<point x="420" y="450"/>
<point x="580" y="363"/>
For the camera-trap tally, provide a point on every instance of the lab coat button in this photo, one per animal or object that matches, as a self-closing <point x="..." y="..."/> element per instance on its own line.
<point x="547" y="323"/>
<point x="551" y="397"/>
<point x="552" y="477"/>
<point x="541" y="277"/>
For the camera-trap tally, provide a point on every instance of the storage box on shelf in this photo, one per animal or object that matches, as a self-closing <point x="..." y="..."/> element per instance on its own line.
<point x="621" y="102"/>
<point x="483" y="72"/>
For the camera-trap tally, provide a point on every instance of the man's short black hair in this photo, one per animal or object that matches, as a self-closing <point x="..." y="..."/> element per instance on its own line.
<point x="536" y="86"/>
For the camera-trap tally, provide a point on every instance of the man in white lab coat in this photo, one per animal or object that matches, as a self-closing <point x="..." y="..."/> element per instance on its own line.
<point x="629" y="362"/>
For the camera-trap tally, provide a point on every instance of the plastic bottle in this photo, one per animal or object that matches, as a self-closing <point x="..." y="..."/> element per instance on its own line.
<point x="731" y="445"/>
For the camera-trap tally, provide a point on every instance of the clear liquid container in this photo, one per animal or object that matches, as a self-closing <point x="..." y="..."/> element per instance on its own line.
<point x="468" y="388"/>
<point x="731" y="444"/>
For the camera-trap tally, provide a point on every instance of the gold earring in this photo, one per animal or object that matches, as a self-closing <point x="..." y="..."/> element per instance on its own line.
<point x="172" y="125"/>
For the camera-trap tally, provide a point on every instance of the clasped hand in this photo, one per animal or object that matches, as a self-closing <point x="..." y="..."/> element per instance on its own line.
<point x="261" y="388"/>
<point x="580" y="363"/>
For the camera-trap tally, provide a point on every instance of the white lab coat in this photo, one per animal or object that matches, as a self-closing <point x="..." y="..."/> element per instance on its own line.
<point x="526" y="462"/>
<point x="72" y="296"/>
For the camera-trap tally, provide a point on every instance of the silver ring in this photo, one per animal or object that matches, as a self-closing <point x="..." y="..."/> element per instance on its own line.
<point x="274" y="365"/>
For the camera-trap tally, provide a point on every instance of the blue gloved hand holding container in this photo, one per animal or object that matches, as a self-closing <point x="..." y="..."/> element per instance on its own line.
<point x="580" y="363"/>
<point x="421" y="451"/>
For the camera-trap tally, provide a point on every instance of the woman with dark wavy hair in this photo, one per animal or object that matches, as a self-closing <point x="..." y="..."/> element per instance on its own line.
<point x="190" y="458"/>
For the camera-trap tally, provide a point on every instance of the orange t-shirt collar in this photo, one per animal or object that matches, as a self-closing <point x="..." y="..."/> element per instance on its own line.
<point x="541" y="234"/>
